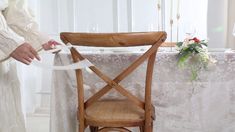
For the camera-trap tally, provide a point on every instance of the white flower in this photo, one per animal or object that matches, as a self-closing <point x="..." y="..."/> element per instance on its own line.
<point x="204" y="47"/>
<point x="185" y="44"/>
<point x="191" y="41"/>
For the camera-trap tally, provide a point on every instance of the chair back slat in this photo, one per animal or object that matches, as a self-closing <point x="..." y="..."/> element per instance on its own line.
<point x="148" y="83"/>
<point x="125" y="73"/>
<point x="112" y="39"/>
<point x="111" y="83"/>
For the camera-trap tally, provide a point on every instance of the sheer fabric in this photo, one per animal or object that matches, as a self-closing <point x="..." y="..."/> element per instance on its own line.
<point x="205" y="105"/>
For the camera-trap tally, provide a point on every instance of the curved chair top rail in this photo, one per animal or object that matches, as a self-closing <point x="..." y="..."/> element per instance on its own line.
<point x="113" y="39"/>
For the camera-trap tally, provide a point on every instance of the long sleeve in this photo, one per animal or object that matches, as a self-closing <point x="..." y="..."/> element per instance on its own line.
<point x="20" y="19"/>
<point x="9" y="40"/>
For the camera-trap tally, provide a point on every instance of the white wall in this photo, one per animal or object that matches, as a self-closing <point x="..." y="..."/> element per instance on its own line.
<point x="217" y="23"/>
<point x="120" y="15"/>
<point x="231" y="24"/>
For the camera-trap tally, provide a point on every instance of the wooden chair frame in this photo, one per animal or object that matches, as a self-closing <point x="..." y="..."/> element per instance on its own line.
<point x="105" y="41"/>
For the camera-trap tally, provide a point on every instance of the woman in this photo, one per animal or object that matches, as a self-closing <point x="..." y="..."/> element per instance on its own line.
<point x="19" y="39"/>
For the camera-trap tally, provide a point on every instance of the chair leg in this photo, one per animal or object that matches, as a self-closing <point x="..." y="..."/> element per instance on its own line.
<point x="94" y="129"/>
<point x="152" y="126"/>
<point x="148" y="129"/>
<point x="81" y="128"/>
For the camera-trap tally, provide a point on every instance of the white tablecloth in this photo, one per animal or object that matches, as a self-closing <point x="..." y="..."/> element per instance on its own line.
<point x="205" y="105"/>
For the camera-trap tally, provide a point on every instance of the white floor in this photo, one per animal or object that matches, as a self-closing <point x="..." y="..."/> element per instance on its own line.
<point x="37" y="123"/>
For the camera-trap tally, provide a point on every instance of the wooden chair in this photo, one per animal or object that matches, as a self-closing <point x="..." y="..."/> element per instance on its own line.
<point x="115" y="115"/>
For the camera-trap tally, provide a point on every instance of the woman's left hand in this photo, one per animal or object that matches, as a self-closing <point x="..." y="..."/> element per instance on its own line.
<point x="50" y="45"/>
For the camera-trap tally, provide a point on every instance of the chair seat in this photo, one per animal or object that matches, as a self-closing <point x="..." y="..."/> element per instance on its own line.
<point x="114" y="113"/>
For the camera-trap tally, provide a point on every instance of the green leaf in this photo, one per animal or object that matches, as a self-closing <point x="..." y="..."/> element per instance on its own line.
<point x="183" y="58"/>
<point x="194" y="74"/>
<point x="179" y="44"/>
<point x="204" y="44"/>
<point x="198" y="49"/>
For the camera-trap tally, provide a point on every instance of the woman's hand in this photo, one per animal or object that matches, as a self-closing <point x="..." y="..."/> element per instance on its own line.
<point x="50" y="45"/>
<point x="25" y="53"/>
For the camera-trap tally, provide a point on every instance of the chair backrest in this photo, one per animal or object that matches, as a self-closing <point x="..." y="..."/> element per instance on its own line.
<point x="116" y="40"/>
<point x="113" y="39"/>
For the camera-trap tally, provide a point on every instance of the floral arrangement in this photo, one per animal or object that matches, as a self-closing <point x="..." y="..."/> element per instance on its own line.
<point x="193" y="54"/>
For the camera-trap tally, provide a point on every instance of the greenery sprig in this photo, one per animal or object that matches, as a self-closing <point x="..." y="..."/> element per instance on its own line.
<point x="193" y="54"/>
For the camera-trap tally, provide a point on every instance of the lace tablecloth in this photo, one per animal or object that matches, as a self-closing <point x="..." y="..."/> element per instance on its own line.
<point x="205" y="105"/>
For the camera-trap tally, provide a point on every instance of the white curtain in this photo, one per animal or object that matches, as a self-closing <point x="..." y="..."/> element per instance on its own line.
<point x="193" y="18"/>
<point x="221" y="20"/>
<point x="217" y="23"/>
<point x="231" y="24"/>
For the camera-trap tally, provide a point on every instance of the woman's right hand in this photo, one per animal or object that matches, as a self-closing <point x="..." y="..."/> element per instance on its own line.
<point x="50" y="45"/>
<point x="25" y="53"/>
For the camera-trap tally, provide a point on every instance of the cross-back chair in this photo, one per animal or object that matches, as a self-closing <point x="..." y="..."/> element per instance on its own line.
<point x="115" y="115"/>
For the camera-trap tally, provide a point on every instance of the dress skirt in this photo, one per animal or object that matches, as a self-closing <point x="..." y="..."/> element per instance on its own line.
<point x="11" y="116"/>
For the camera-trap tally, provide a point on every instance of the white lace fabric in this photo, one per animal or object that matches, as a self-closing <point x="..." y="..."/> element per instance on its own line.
<point x="205" y="105"/>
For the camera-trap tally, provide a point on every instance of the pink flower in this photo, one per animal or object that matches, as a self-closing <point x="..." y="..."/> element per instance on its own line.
<point x="196" y="40"/>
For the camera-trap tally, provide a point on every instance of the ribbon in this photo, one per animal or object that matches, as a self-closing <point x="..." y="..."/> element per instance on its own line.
<point x="78" y="65"/>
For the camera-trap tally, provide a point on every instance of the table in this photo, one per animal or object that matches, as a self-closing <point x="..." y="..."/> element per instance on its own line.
<point x="205" y="105"/>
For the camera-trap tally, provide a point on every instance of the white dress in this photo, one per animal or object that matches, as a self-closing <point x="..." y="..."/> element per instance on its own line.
<point x="17" y="26"/>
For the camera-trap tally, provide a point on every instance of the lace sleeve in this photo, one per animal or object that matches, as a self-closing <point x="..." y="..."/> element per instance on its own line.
<point x="9" y="40"/>
<point x="21" y="19"/>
